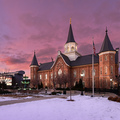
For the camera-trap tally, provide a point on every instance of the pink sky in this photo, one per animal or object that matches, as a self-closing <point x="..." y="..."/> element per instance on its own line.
<point x="42" y="25"/>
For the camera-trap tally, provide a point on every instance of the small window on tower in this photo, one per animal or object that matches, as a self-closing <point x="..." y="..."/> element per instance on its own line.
<point x="105" y="69"/>
<point x="100" y="58"/>
<point x="111" y="69"/>
<point x="111" y="58"/>
<point x="101" y="70"/>
<point x="72" y="48"/>
<point x="68" y="49"/>
<point x="106" y="58"/>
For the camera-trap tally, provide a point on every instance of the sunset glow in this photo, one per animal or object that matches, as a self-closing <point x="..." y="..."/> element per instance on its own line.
<point x="42" y="25"/>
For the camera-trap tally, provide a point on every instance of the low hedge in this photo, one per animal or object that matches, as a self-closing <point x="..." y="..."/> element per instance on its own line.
<point x="116" y="98"/>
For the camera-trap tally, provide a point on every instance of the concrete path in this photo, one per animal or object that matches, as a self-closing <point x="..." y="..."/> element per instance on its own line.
<point x="31" y="99"/>
<point x="57" y="96"/>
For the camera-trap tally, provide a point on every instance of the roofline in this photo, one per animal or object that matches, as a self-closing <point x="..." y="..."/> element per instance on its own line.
<point x="70" y="42"/>
<point x="84" y="65"/>
<point x="34" y="66"/>
<point x="105" y="52"/>
<point x="44" y="70"/>
<point x="56" y="60"/>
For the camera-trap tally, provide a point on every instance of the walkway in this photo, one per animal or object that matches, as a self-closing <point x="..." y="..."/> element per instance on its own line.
<point x="31" y="99"/>
<point x="57" y="96"/>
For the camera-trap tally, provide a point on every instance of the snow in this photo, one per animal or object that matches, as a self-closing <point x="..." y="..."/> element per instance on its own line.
<point x="83" y="108"/>
<point x="12" y="98"/>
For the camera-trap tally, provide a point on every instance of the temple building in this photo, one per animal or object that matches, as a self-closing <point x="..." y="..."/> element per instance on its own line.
<point x="71" y="62"/>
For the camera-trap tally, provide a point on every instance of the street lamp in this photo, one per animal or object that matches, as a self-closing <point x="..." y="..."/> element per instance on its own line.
<point x="82" y="75"/>
<point x="111" y="83"/>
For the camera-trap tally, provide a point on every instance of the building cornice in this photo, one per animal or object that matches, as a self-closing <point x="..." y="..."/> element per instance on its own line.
<point x="107" y="52"/>
<point x="33" y="66"/>
<point x="84" y="65"/>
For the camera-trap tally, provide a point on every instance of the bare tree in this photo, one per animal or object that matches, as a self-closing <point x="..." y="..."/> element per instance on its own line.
<point x="34" y="83"/>
<point x="65" y="79"/>
<point x="70" y="83"/>
<point x="59" y="80"/>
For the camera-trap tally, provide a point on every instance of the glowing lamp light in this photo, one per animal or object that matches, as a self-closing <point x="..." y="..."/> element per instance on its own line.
<point x="82" y="74"/>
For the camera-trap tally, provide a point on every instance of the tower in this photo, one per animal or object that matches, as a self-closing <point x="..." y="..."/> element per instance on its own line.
<point x="33" y="71"/>
<point x="106" y="63"/>
<point x="71" y="46"/>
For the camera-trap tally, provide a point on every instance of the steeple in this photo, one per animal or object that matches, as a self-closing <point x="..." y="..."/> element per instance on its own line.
<point x="70" y="34"/>
<point x="106" y="45"/>
<point x="34" y="60"/>
<point x="71" y="46"/>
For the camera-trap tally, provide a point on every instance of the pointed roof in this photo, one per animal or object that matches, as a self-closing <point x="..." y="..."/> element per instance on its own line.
<point x="70" y="34"/>
<point x="106" y="45"/>
<point x="34" y="60"/>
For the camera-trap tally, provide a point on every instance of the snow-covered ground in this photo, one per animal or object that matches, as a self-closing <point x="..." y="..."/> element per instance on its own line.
<point x="12" y="98"/>
<point x="83" y="108"/>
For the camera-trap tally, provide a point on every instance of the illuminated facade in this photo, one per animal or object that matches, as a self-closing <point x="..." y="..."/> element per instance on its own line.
<point x="106" y="65"/>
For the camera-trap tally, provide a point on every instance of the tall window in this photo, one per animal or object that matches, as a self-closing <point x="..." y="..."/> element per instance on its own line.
<point x="100" y="70"/>
<point x="45" y="76"/>
<point x="105" y="57"/>
<point x="34" y="76"/>
<point x="94" y="72"/>
<point x="111" y="69"/>
<point x="40" y="77"/>
<point x="55" y="75"/>
<point x="51" y="76"/>
<point x="105" y="69"/>
<point x="74" y="73"/>
<point x="111" y="58"/>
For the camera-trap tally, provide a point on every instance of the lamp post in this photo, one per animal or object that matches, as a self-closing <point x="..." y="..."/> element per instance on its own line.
<point x="82" y="75"/>
<point x="111" y="84"/>
<point x="118" y="82"/>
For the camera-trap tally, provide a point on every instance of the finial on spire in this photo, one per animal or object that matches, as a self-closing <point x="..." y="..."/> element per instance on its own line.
<point x="70" y="20"/>
<point x="106" y="29"/>
<point x="34" y="52"/>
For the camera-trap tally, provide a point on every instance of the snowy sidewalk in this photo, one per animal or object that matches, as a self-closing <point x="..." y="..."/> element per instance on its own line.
<point x="31" y="99"/>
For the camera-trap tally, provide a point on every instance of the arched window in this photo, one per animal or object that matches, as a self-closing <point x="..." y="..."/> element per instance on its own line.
<point x="105" y="57"/>
<point x="111" y="69"/>
<point x="82" y="73"/>
<point x="45" y="76"/>
<point x="111" y="58"/>
<point x="72" y="48"/>
<point x="51" y="76"/>
<point x="68" y="49"/>
<point x="94" y="72"/>
<point x="100" y="70"/>
<point x="40" y="77"/>
<point x="105" y="69"/>
<point x="74" y="73"/>
<point x="59" y="72"/>
<point x="55" y="75"/>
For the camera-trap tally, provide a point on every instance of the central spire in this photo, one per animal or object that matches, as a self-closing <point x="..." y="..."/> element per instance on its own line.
<point x="70" y="34"/>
